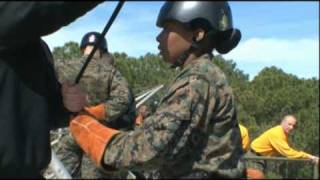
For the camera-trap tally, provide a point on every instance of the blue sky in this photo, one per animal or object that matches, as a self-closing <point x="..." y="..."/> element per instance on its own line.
<point x="281" y="34"/>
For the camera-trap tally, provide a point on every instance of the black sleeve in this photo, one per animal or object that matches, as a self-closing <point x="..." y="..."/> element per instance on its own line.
<point x="25" y="21"/>
<point x="60" y="116"/>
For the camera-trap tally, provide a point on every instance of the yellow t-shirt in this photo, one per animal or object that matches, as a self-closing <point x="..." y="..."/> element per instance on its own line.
<point x="274" y="142"/>
<point x="245" y="137"/>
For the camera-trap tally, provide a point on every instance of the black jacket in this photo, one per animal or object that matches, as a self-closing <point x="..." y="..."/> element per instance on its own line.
<point x="30" y="98"/>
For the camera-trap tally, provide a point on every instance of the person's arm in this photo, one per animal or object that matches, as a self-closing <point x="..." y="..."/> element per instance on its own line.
<point x="60" y="115"/>
<point x="27" y="20"/>
<point x="281" y="145"/>
<point x="151" y="145"/>
<point x="120" y="98"/>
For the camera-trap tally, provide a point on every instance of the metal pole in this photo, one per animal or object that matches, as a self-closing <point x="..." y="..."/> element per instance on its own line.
<point x="315" y="166"/>
<point x="273" y="158"/>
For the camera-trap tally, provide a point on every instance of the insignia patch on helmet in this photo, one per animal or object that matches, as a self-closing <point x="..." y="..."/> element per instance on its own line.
<point x="92" y="38"/>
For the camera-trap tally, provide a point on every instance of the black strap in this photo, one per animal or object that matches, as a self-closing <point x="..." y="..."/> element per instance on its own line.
<point x="183" y="57"/>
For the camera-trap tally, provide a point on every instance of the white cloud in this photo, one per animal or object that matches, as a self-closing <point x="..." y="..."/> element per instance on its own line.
<point x="133" y="33"/>
<point x="275" y="50"/>
<point x="64" y="35"/>
<point x="298" y="56"/>
<point x="119" y="38"/>
<point x="135" y="39"/>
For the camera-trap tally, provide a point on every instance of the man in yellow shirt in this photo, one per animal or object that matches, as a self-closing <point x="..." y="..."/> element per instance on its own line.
<point x="245" y="137"/>
<point x="274" y="142"/>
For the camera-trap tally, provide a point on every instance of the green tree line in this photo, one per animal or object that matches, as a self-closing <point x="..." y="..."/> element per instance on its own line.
<point x="261" y="102"/>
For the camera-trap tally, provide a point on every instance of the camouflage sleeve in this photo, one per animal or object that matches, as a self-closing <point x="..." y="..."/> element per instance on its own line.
<point x="165" y="134"/>
<point x="120" y="98"/>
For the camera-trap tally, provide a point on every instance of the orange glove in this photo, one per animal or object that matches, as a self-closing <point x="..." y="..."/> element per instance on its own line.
<point x="254" y="174"/>
<point x="91" y="136"/>
<point x="98" y="112"/>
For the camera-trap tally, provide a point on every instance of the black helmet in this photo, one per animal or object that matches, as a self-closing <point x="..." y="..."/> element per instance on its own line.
<point x="214" y="17"/>
<point x="91" y="38"/>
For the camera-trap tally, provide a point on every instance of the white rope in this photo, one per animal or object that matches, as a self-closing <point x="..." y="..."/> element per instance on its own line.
<point x="150" y="93"/>
<point x="147" y="92"/>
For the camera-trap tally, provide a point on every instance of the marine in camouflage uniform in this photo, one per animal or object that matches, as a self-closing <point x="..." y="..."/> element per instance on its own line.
<point x="194" y="133"/>
<point x="104" y="84"/>
<point x="194" y="130"/>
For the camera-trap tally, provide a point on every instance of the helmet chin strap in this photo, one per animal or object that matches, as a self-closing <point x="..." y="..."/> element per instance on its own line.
<point x="183" y="57"/>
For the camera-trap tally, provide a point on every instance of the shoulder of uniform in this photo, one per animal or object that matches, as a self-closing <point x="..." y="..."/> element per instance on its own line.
<point x="208" y="69"/>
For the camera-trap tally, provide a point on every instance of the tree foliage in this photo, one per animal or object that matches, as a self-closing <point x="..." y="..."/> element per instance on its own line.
<point x="69" y="51"/>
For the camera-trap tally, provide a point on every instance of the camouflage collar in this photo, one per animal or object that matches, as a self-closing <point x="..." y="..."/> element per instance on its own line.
<point x="198" y="60"/>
